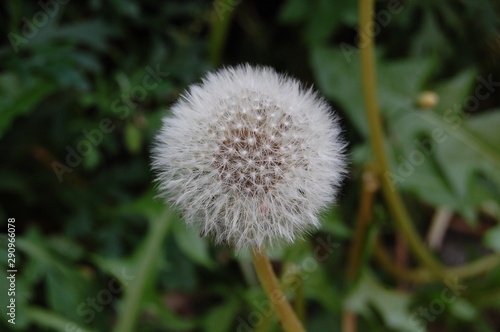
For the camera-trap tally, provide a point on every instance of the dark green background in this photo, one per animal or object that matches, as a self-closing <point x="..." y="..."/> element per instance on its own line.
<point x="77" y="71"/>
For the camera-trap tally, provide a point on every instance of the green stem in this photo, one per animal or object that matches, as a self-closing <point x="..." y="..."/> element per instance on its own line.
<point x="288" y="319"/>
<point x="148" y="260"/>
<point x="419" y="275"/>
<point x="477" y="267"/>
<point x="402" y="220"/>
<point x="221" y="17"/>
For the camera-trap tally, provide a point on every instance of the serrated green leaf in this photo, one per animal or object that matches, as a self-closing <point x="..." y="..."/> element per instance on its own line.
<point x="453" y="92"/>
<point x="485" y="126"/>
<point x="462" y="154"/>
<point x="339" y="77"/>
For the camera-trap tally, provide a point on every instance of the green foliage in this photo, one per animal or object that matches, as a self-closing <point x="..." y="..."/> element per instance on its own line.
<point x="83" y="88"/>
<point x="392" y="306"/>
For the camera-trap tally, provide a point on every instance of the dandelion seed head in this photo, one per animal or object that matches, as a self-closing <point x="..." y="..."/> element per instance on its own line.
<point x="250" y="157"/>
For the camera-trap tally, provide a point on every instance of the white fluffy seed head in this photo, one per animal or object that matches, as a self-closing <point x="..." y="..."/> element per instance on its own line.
<point x="250" y="157"/>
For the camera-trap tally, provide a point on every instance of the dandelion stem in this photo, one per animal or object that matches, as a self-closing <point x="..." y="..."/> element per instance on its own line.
<point x="365" y="212"/>
<point x="396" y="206"/>
<point x="269" y="282"/>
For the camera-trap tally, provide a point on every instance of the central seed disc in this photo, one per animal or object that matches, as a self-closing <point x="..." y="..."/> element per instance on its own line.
<point x="252" y="151"/>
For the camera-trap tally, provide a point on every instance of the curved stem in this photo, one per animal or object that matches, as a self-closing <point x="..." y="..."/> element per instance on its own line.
<point x="396" y="206"/>
<point x="419" y="275"/>
<point x="476" y="267"/>
<point x="412" y="275"/>
<point x="269" y="282"/>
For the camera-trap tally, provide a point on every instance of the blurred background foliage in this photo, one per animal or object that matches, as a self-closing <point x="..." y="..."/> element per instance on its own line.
<point x="83" y="87"/>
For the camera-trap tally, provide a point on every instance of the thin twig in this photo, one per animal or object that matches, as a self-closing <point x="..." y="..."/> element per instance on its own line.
<point x="439" y="225"/>
<point x="422" y="275"/>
